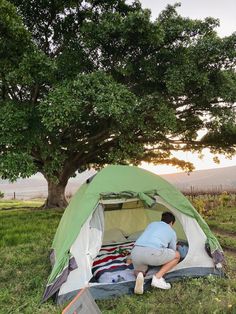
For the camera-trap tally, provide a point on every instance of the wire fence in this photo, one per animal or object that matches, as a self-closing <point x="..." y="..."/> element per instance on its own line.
<point x="190" y="191"/>
<point x="213" y="190"/>
<point x="42" y="193"/>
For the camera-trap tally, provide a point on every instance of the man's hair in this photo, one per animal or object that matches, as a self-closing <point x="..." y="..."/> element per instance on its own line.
<point x="168" y="217"/>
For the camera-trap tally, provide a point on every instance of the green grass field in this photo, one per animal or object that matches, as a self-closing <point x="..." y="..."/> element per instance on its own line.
<point x="25" y="238"/>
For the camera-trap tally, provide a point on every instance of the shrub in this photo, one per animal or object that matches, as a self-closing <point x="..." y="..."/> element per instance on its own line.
<point x="224" y="198"/>
<point x="200" y="205"/>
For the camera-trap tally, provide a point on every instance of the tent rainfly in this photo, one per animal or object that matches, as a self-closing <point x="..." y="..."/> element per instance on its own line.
<point x="123" y="199"/>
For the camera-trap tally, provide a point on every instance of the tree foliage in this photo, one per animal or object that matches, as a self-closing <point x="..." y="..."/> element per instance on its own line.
<point x="85" y="83"/>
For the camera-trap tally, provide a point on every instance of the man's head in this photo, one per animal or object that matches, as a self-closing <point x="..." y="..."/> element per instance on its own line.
<point x="168" y="218"/>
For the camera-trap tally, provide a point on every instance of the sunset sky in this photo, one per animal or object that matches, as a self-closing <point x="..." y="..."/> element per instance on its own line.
<point x="224" y="10"/>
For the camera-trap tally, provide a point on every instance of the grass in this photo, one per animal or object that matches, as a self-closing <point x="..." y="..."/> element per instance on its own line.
<point x="227" y="242"/>
<point x="25" y="238"/>
<point x="223" y="224"/>
<point x="13" y="204"/>
<point x="223" y="220"/>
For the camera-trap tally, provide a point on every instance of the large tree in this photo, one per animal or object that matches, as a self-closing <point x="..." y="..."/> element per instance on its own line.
<point x="86" y="83"/>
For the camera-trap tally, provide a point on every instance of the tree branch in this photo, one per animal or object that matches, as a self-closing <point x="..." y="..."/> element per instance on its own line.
<point x="73" y="161"/>
<point x="35" y="94"/>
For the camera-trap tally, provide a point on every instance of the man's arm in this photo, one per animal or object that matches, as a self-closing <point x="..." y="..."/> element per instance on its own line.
<point x="172" y="244"/>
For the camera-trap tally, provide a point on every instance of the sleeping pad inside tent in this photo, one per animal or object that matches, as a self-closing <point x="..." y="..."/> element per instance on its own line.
<point x="92" y="244"/>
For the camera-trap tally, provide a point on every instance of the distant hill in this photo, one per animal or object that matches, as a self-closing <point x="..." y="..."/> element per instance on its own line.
<point x="36" y="186"/>
<point x="223" y="178"/>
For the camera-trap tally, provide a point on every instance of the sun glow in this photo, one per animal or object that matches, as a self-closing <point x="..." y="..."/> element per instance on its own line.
<point x="206" y="162"/>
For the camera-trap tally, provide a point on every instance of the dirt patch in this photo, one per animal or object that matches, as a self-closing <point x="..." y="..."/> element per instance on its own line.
<point x="224" y="232"/>
<point x="230" y="251"/>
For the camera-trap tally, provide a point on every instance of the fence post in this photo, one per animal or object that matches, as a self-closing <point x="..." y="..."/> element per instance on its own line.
<point x="192" y="191"/>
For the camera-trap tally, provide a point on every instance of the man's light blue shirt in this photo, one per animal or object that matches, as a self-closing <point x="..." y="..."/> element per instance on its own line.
<point x="158" y="235"/>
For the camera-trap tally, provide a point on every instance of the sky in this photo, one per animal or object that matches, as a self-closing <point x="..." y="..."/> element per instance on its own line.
<point x="224" y="10"/>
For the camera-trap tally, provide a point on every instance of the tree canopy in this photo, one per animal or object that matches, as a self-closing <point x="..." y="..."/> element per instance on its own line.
<point x="86" y="83"/>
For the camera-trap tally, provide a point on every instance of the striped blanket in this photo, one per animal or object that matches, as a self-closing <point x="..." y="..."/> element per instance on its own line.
<point x="112" y="258"/>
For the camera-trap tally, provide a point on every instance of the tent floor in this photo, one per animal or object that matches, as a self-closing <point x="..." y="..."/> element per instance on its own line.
<point x="101" y="291"/>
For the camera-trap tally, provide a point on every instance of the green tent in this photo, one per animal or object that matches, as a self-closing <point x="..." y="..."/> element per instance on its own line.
<point x="128" y="198"/>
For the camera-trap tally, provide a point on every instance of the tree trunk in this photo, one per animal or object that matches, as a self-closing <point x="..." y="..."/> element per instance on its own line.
<point x="56" y="195"/>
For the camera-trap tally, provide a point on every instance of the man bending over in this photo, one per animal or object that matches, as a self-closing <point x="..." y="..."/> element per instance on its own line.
<point x="156" y="246"/>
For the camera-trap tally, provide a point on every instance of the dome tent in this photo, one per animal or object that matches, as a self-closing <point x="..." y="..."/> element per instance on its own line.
<point x="101" y="204"/>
